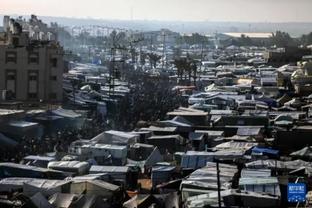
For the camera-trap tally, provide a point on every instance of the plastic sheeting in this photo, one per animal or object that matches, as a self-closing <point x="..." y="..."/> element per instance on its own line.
<point x="7" y="142"/>
<point x="196" y="160"/>
<point x="65" y="113"/>
<point x="45" y="187"/>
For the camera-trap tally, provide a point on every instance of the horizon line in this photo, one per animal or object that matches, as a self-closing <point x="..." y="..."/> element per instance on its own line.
<point x="158" y="20"/>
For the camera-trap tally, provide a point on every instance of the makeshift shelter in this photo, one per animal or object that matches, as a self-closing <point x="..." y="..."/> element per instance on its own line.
<point x="204" y="180"/>
<point x="167" y="143"/>
<point x="295" y="103"/>
<point x="61" y="200"/>
<point x="75" y="167"/>
<point x="199" y="140"/>
<point x="40" y="201"/>
<point x="304" y="153"/>
<point x="288" y="141"/>
<point x="242" y="121"/>
<point x="178" y="121"/>
<point x="7" y="142"/>
<point x="251" y="131"/>
<point x="140" y="151"/>
<point x="269" y="185"/>
<point x="116" y="137"/>
<point x="194" y="116"/>
<point x="20" y="128"/>
<point x="95" y="187"/>
<point x="278" y="165"/>
<point x="143" y="135"/>
<point x="265" y="151"/>
<point x="283" y="120"/>
<point x="232" y="198"/>
<point x="144" y="156"/>
<point x="233" y="145"/>
<point x="8" y="170"/>
<point x="45" y="187"/>
<point x="116" y="174"/>
<point x="228" y="155"/>
<point x="195" y="159"/>
<point x="284" y="99"/>
<point x="10" y="185"/>
<point x="101" y="152"/>
<point x="37" y="160"/>
<point x="161" y="174"/>
<point x="161" y="130"/>
<point x="158" y="200"/>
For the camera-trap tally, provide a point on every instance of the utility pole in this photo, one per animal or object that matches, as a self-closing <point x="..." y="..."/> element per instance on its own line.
<point x="164" y="48"/>
<point x="219" y="186"/>
<point x="112" y="72"/>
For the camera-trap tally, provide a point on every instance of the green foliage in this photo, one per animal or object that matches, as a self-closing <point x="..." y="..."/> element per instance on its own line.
<point x="282" y="39"/>
<point x="195" y="38"/>
<point x="154" y="58"/>
<point x="306" y="39"/>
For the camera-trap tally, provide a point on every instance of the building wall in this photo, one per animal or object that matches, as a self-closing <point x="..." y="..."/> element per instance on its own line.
<point x="49" y="80"/>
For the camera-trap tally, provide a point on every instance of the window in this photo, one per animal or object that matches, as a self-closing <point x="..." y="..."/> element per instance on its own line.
<point x="15" y="41"/>
<point x="32" y="95"/>
<point x="54" y="62"/>
<point x="53" y="78"/>
<point x="11" y="83"/>
<point x="11" y="76"/>
<point x="33" y="77"/>
<point x="10" y="57"/>
<point x="32" y="84"/>
<point x="52" y="96"/>
<point x="33" y="58"/>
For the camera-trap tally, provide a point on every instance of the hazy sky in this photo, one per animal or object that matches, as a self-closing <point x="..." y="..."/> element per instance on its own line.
<point x="187" y="10"/>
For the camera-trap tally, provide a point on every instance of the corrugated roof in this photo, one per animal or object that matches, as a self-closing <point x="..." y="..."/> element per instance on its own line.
<point x="247" y="173"/>
<point x="108" y="169"/>
<point x="250" y="35"/>
<point x="258" y="180"/>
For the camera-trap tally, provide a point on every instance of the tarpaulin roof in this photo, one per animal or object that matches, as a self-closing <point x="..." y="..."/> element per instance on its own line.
<point x="6" y="141"/>
<point x="40" y="201"/>
<point x="38" y="157"/>
<point x="258" y="180"/>
<point x="206" y="177"/>
<point x="175" y="123"/>
<point x="247" y="173"/>
<point x="65" y="113"/>
<point x="272" y="164"/>
<point x="248" y="131"/>
<point x="196" y="136"/>
<point x="265" y="150"/>
<point x="163" y="168"/>
<point x="305" y="152"/>
<point x="22" y="124"/>
<point x="236" y="145"/>
<point x="109" y="169"/>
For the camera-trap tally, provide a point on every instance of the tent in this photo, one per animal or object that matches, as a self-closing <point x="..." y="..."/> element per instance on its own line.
<point x="265" y="151"/>
<point x="7" y="142"/>
<point x="304" y="153"/>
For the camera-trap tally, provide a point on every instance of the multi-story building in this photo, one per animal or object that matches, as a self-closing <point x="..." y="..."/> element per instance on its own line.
<point x="30" y="69"/>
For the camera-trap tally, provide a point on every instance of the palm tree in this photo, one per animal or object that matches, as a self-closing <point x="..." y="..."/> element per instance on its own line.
<point x="186" y="67"/>
<point x="154" y="58"/>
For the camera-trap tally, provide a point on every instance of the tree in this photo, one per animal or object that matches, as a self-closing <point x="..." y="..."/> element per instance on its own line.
<point x="177" y="52"/>
<point x="282" y="39"/>
<point x="195" y="38"/>
<point x="154" y="58"/>
<point x="306" y="39"/>
<point x="245" y="40"/>
<point x="142" y="58"/>
<point x="186" y="67"/>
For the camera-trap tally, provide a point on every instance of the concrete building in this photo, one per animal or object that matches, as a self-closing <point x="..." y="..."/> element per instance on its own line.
<point x="30" y="69"/>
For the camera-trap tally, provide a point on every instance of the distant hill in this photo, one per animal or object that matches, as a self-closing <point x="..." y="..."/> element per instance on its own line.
<point x="295" y="29"/>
